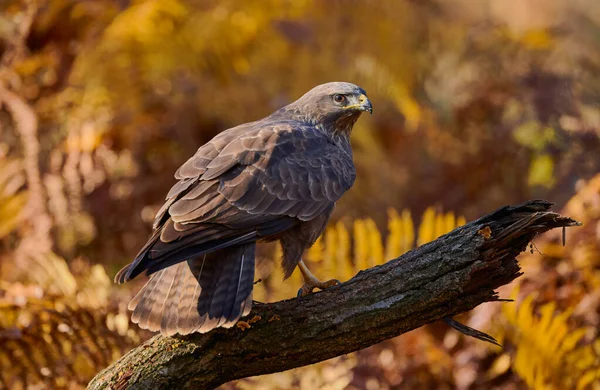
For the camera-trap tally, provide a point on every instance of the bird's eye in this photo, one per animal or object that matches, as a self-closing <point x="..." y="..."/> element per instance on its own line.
<point x="339" y="98"/>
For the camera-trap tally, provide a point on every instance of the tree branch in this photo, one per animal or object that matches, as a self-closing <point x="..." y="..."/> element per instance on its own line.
<point x="450" y="275"/>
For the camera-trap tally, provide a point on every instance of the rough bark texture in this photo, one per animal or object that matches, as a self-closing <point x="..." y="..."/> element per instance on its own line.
<point x="448" y="276"/>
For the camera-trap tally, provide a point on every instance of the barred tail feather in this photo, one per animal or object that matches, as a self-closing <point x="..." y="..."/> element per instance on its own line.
<point x="198" y="295"/>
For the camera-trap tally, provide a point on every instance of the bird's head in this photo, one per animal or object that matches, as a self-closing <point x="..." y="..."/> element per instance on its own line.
<point x="335" y="105"/>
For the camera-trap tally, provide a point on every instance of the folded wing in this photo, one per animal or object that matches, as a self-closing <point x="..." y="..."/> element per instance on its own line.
<point x="249" y="183"/>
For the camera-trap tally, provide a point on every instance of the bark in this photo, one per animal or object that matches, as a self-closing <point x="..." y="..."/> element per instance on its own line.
<point x="448" y="276"/>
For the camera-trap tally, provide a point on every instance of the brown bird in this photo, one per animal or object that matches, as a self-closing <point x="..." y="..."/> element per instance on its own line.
<point x="274" y="179"/>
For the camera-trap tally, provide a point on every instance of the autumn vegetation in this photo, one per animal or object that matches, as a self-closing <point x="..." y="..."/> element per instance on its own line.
<point x="476" y="105"/>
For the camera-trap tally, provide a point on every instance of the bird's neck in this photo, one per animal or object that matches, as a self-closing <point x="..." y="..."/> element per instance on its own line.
<point x="344" y="124"/>
<point x="337" y="129"/>
<point x="338" y="124"/>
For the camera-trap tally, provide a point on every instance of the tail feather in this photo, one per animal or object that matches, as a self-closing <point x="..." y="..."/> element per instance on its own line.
<point x="190" y="292"/>
<point x="152" y="304"/>
<point x="147" y="296"/>
<point x="170" y="315"/>
<point x="224" y="298"/>
<point x="240" y="306"/>
<point x="201" y="294"/>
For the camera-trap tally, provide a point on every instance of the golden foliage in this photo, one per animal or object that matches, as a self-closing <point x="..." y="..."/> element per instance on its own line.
<point x="551" y="337"/>
<point x="335" y="375"/>
<point x="56" y="345"/>
<point x="60" y="339"/>
<point x="12" y="197"/>
<point x="549" y="352"/>
<point x="401" y="233"/>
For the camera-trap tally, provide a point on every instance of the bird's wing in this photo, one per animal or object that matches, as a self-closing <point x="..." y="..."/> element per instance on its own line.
<point x="254" y="175"/>
<point x="248" y="183"/>
<point x="300" y="176"/>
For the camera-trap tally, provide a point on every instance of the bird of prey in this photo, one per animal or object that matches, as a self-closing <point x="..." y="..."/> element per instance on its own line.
<point x="274" y="179"/>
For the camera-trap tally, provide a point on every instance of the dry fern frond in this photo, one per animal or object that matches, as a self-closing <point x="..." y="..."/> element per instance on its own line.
<point x="57" y="331"/>
<point x="549" y="353"/>
<point x="12" y="197"/>
<point x="52" y="344"/>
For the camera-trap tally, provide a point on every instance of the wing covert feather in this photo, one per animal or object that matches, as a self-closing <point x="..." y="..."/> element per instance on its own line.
<point x="300" y="174"/>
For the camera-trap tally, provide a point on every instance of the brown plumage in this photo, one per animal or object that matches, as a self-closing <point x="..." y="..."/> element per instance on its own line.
<point x="274" y="179"/>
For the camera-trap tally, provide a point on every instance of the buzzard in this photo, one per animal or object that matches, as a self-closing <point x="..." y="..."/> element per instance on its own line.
<point x="274" y="179"/>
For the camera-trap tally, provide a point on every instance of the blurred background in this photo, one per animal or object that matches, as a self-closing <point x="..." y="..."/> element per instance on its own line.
<point x="477" y="104"/>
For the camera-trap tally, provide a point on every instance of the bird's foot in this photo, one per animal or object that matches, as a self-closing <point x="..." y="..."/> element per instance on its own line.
<point x="311" y="282"/>
<point x="309" y="286"/>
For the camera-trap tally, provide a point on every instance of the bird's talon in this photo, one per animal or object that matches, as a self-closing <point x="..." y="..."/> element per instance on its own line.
<point x="305" y="290"/>
<point x="308" y="288"/>
<point x="331" y="283"/>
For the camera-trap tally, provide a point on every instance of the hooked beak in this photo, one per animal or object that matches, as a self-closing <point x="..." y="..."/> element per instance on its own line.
<point x="364" y="104"/>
